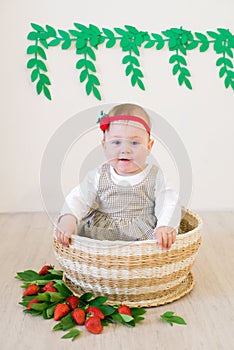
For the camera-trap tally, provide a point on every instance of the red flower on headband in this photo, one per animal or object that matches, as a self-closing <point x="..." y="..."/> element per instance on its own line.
<point x="104" y="123"/>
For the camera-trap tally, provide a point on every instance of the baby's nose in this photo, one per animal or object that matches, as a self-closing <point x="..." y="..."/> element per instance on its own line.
<point x="125" y="147"/>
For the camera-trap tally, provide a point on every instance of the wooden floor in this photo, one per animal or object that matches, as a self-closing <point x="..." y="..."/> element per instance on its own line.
<point x="209" y="308"/>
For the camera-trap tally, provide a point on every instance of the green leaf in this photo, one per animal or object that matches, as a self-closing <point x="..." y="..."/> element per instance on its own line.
<point x="74" y="32"/>
<point x="213" y="34"/>
<point x="107" y="310"/>
<point x="227" y="81"/>
<point x="28" y="275"/>
<point x="129" y="69"/>
<point x="222" y="71"/>
<point x="149" y="44"/>
<point x="72" y="334"/>
<point x="111" y="42"/>
<point x="91" y="53"/>
<point x="89" y="64"/>
<point x="43" y="42"/>
<point x="32" y="49"/>
<point x="201" y="37"/>
<point x="39" y="87"/>
<point x="47" y="92"/>
<point x="134" y="79"/>
<point x="89" y="87"/>
<point x="225" y="32"/>
<point x="83" y="75"/>
<point x="50" y="30"/>
<point x="225" y="61"/>
<point x="94" y="80"/>
<point x="229" y="52"/>
<point x="41" y="52"/>
<point x="108" y="33"/>
<point x="192" y="45"/>
<point x="50" y="311"/>
<point x="168" y="314"/>
<point x="37" y="27"/>
<point x="121" y="31"/>
<point x="98" y="301"/>
<point x="171" y="318"/>
<point x="131" y="59"/>
<point x="85" y="297"/>
<point x="175" y="69"/>
<point x="181" y="79"/>
<point x="81" y="63"/>
<point x="96" y="93"/>
<point x="204" y="47"/>
<point x="185" y="71"/>
<point x="137" y="311"/>
<point x="131" y="29"/>
<point x="54" y="42"/>
<point x="39" y="306"/>
<point x="81" y="27"/>
<point x="141" y="84"/>
<point x="45" y="79"/>
<point x="125" y="44"/>
<point x="188" y="83"/>
<point x="135" y="50"/>
<point x="218" y="46"/>
<point x="63" y="289"/>
<point x="94" y="41"/>
<point x="41" y="65"/>
<point x="32" y="36"/>
<point x="56" y="297"/>
<point x="117" y="318"/>
<point x="94" y="29"/>
<point x="31" y="63"/>
<point x="66" y="44"/>
<point x="177" y="58"/>
<point x="43" y="296"/>
<point x="160" y="45"/>
<point x="34" y="74"/>
<point x="126" y="318"/>
<point x="172" y="44"/>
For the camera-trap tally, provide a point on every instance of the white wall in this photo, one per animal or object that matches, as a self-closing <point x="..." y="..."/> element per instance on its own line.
<point x="203" y="117"/>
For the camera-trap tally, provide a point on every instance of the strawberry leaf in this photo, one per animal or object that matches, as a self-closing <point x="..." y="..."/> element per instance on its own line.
<point x="170" y="318"/>
<point x="28" y="275"/>
<point x="72" y="334"/>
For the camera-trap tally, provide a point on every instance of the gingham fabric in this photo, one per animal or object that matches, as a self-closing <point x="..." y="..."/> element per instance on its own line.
<point x="124" y="212"/>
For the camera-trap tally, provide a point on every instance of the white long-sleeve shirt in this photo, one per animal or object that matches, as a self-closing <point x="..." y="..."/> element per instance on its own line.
<point x="167" y="208"/>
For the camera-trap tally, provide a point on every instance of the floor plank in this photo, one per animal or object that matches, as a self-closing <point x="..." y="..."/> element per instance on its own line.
<point x="26" y="242"/>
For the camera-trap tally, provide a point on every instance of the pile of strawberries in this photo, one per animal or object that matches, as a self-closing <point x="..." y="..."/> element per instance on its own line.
<point x="46" y="294"/>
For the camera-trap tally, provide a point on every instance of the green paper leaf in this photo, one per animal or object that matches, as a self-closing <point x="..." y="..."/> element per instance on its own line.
<point x="108" y="33"/>
<point x="121" y="31"/>
<point x="89" y="87"/>
<point x="125" y="44"/>
<point x="32" y="36"/>
<point x="141" y="84"/>
<point x="43" y="42"/>
<point x="41" y="52"/>
<point x="72" y="334"/>
<point x="178" y="58"/>
<point x="89" y="64"/>
<point x="81" y="63"/>
<point x="37" y="27"/>
<point x="94" y="29"/>
<point x="213" y="34"/>
<point x="229" y="52"/>
<point x="138" y="72"/>
<point x="172" y="44"/>
<point x="175" y="69"/>
<point x="131" y="59"/>
<point x="133" y="80"/>
<point x="32" y="49"/>
<point x="225" y="32"/>
<point x="201" y="37"/>
<point x="47" y="92"/>
<point x="204" y="47"/>
<point x="91" y="53"/>
<point x="225" y="61"/>
<point x="187" y="83"/>
<point x="94" y="41"/>
<point x="34" y="75"/>
<point x="192" y="45"/>
<point x="131" y="29"/>
<point x="54" y="42"/>
<point x="222" y="71"/>
<point x="94" y="80"/>
<point x="227" y="81"/>
<point x="185" y="71"/>
<point x="83" y="75"/>
<point x="31" y="63"/>
<point x="181" y="79"/>
<point x="50" y="30"/>
<point x="135" y="50"/>
<point x="41" y="65"/>
<point x="110" y="43"/>
<point x="81" y="43"/>
<point x="74" y="32"/>
<point x="39" y="87"/>
<point x="96" y="93"/>
<point x="149" y="44"/>
<point x="129" y="69"/>
<point x="81" y="27"/>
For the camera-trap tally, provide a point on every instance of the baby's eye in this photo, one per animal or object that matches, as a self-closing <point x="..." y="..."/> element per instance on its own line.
<point x="115" y="142"/>
<point x="134" y="143"/>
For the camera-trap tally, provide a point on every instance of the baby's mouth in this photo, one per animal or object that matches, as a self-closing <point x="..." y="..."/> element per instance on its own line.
<point x="124" y="159"/>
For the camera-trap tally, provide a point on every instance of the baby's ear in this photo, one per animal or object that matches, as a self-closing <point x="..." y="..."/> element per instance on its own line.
<point x="103" y="143"/>
<point x="150" y="144"/>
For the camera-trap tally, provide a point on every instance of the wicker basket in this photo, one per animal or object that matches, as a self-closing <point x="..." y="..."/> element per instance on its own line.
<point x="136" y="273"/>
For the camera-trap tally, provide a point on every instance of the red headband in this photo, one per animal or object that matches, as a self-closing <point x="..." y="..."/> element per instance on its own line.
<point x="105" y="121"/>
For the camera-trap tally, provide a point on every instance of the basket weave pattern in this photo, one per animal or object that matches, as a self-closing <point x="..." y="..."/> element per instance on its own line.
<point x="137" y="273"/>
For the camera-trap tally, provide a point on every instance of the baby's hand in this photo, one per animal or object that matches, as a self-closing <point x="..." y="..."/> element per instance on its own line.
<point x="166" y="236"/>
<point x="65" y="229"/>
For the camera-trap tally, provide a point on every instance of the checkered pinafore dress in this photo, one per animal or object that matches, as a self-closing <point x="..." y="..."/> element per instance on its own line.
<point x="124" y="212"/>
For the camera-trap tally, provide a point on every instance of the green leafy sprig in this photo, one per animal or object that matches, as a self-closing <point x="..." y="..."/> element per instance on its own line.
<point x="170" y="318"/>
<point x="46" y="302"/>
<point x="87" y="39"/>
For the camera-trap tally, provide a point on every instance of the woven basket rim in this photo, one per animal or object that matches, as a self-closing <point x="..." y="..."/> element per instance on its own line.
<point x="75" y="239"/>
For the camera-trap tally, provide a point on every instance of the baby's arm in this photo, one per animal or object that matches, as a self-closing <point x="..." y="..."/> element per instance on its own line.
<point x="77" y="204"/>
<point x="167" y="211"/>
<point x="66" y="227"/>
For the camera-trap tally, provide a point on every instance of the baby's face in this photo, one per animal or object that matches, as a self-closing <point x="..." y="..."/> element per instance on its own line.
<point x="126" y="148"/>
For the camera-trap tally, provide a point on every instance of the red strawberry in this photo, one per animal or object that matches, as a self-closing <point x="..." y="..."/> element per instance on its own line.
<point x="49" y="287"/>
<point x="60" y="311"/>
<point x="79" y="316"/>
<point x="123" y="309"/>
<point x="95" y="312"/>
<point x="93" y="325"/>
<point x="44" y="270"/>
<point x="33" y="301"/>
<point x="73" y="302"/>
<point x="31" y="290"/>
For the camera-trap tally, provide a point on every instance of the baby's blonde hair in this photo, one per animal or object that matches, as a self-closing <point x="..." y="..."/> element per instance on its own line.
<point x="130" y="109"/>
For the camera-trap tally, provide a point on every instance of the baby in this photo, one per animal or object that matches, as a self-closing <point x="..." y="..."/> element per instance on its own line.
<point x="124" y="198"/>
